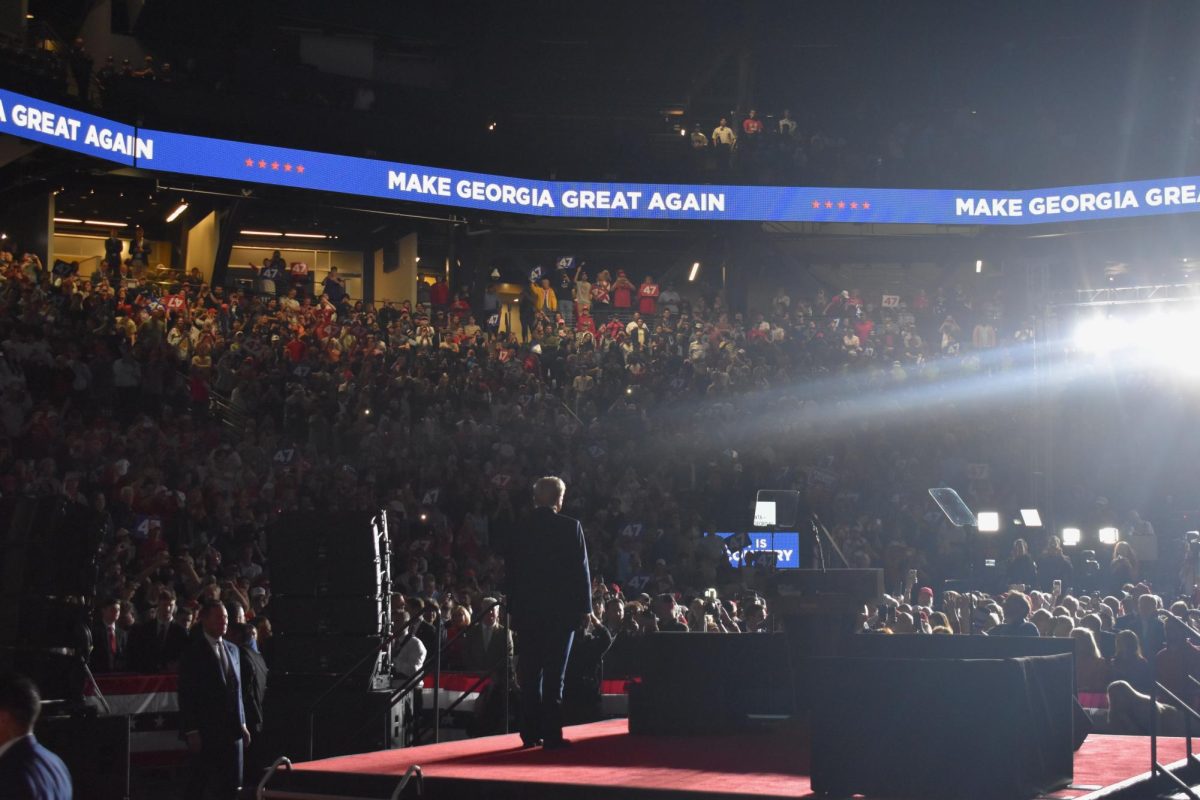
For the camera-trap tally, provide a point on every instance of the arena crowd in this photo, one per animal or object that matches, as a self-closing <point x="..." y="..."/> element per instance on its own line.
<point x="188" y="421"/>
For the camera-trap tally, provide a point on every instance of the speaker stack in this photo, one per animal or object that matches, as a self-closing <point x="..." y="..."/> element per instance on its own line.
<point x="330" y="614"/>
<point x="330" y="582"/>
<point x="47" y="576"/>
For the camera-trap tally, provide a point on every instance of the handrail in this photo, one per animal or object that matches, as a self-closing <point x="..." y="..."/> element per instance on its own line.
<point x="1161" y="770"/>
<point x="417" y="679"/>
<point x="373" y="653"/>
<point x="1180" y="704"/>
<point x="282" y="761"/>
<point x="1162" y="612"/>
<point x="1157" y="768"/>
<point x="414" y="770"/>
<point x="474" y="687"/>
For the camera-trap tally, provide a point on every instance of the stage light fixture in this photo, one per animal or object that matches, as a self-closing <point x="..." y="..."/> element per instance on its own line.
<point x="988" y="521"/>
<point x="1071" y="537"/>
<point x="1109" y="535"/>
<point x="1031" y="518"/>
<point x="276" y="234"/>
<point x="179" y="209"/>
<point x="978" y="266"/>
<point x="694" y="272"/>
<point x="105" y="223"/>
<point x="305" y="236"/>
<point x="69" y="220"/>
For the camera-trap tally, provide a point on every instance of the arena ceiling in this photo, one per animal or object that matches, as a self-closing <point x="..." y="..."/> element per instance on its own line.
<point x="596" y="91"/>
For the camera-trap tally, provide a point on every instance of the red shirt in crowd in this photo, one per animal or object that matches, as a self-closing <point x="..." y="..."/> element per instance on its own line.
<point x="622" y="292"/>
<point x="295" y="350"/>
<point x="648" y="297"/>
<point x="864" y="330"/>
<point x="752" y="125"/>
<point x="439" y="294"/>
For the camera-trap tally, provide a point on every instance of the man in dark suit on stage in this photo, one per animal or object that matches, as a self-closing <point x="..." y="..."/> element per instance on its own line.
<point x="550" y="593"/>
<point x="211" y="715"/>
<point x="109" y="640"/>
<point x="156" y="645"/>
<point x="28" y="771"/>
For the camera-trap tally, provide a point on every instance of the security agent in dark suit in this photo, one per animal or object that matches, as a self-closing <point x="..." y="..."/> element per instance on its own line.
<point x="156" y="645"/>
<point x="211" y="715"/>
<point x="254" y="673"/>
<point x="550" y="595"/>
<point x="110" y="643"/>
<point x="485" y="644"/>
<point x="488" y="647"/>
<point x="28" y="771"/>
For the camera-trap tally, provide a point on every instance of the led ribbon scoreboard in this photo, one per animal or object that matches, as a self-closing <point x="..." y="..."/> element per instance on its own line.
<point x="184" y="154"/>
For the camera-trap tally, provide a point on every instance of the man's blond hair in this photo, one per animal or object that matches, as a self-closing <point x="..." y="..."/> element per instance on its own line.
<point x="549" y="491"/>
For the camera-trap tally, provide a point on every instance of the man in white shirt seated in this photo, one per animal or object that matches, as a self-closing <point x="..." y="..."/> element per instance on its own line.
<point x="409" y="653"/>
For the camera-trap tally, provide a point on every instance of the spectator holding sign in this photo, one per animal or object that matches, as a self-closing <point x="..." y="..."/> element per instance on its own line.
<point x="300" y="282"/>
<point x="648" y="296"/>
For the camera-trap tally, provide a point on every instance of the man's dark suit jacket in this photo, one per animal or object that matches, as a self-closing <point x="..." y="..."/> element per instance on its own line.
<point x="102" y="658"/>
<point x="477" y="658"/>
<point x="549" y="584"/>
<point x="148" y="652"/>
<point x="254" y="687"/>
<point x="207" y="702"/>
<point x="29" y="771"/>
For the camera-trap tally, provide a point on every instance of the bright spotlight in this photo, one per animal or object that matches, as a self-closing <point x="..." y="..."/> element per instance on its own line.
<point x="1031" y="518"/>
<point x="1101" y="335"/>
<point x="1109" y="535"/>
<point x="978" y="266"/>
<point x="988" y="521"/>
<point x="1071" y="537"/>
<point x="179" y="209"/>
<point x="694" y="272"/>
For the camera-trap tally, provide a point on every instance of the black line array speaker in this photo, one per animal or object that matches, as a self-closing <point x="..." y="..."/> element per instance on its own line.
<point x="329" y="578"/>
<point x="319" y="653"/>
<point x="324" y="554"/>
<point x="326" y="615"/>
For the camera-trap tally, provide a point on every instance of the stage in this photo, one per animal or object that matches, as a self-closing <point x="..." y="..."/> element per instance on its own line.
<point x="607" y="762"/>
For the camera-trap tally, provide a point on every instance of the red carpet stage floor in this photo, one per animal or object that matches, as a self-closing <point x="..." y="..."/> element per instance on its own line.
<point x="607" y="762"/>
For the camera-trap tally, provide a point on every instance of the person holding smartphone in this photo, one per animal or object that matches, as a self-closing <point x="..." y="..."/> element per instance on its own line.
<point x="1016" y="617"/>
